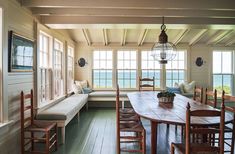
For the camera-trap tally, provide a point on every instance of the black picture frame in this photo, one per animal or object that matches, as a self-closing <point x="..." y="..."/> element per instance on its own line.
<point x="20" y="53"/>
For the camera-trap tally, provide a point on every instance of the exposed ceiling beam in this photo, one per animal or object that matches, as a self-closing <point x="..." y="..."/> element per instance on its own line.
<point x="133" y="12"/>
<point x="135" y="4"/>
<point x="105" y="36"/>
<point x="180" y="36"/>
<point x="134" y="20"/>
<point x="197" y="37"/>
<point x="86" y="35"/>
<point x="123" y="39"/>
<point x="217" y="36"/>
<point x="227" y="34"/>
<point x="230" y="42"/>
<point x="142" y="36"/>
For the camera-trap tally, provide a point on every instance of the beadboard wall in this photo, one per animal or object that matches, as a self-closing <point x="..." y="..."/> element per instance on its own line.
<point x="21" y="21"/>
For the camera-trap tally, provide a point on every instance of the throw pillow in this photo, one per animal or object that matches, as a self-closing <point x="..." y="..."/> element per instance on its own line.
<point x="174" y="90"/>
<point x="181" y="86"/>
<point x="189" y="87"/>
<point x="86" y="90"/>
<point x="82" y="83"/>
<point x="77" y="89"/>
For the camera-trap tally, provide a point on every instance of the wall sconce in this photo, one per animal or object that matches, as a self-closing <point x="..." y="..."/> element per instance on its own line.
<point x="82" y="62"/>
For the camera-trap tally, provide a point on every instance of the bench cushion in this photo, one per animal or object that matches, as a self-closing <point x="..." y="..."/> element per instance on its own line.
<point x="106" y="94"/>
<point x="64" y="109"/>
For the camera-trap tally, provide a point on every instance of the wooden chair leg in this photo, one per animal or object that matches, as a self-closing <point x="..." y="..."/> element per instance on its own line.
<point x="144" y="142"/>
<point x="233" y="138"/>
<point x="172" y="149"/>
<point x="56" y="138"/>
<point x="47" y="142"/>
<point x="32" y="141"/>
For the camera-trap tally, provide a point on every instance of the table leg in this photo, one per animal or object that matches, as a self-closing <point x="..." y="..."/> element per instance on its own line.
<point x="154" y="137"/>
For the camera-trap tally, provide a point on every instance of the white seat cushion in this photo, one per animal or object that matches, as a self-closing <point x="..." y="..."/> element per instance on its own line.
<point x="64" y="109"/>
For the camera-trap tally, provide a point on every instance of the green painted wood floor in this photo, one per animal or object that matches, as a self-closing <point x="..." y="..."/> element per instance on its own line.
<point x="94" y="133"/>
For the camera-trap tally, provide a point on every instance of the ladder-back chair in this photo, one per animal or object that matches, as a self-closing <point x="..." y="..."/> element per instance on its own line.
<point x="34" y="131"/>
<point x="146" y="84"/>
<point x="211" y="97"/>
<point x="203" y="144"/>
<point x="198" y="94"/>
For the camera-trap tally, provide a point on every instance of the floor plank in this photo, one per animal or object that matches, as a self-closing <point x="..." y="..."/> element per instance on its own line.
<point x="95" y="133"/>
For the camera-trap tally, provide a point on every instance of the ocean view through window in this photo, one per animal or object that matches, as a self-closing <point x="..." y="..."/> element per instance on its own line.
<point x="102" y="69"/>
<point x="222" y="71"/>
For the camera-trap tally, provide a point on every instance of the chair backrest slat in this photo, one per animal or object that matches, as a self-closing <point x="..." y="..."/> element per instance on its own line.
<point x="211" y="98"/>
<point x="198" y="94"/>
<point x="146" y="86"/>
<point x="202" y="130"/>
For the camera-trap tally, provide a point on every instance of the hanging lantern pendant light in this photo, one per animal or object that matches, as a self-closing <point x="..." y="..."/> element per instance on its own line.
<point x="163" y="50"/>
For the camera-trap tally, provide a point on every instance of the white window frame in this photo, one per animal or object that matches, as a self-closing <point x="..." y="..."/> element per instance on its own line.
<point x="221" y="73"/>
<point x="105" y="69"/>
<point x="58" y="69"/>
<point x="70" y="69"/>
<point x="177" y="69"/>
<point x="45" y="91"/>
<point x="129" y="70"/>
<point x="148" y="60"/>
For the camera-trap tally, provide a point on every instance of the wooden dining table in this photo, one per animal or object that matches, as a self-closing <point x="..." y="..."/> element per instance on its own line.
<point x="146" y="105"/>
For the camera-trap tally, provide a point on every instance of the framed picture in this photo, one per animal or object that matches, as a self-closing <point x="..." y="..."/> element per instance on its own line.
<point x="21" y="51"/>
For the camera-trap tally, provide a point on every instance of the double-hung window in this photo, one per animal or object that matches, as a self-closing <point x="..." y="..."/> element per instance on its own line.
<point x="45" y="67"/>
<point x="70" y="69"/>
<point x="58" y="65"/>
<point x="150" y="68"/>
<point x="102" y="69"/>
<point x="126" y="69"/>
<point x="222" y="71"/>
<point x="176" y="69"/>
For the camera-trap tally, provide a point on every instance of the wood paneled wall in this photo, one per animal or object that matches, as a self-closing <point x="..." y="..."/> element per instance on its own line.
<point x="21" y="21"/>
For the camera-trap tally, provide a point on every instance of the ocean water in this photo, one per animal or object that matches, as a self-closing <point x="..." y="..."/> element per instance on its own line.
<point x="129" y="78"/>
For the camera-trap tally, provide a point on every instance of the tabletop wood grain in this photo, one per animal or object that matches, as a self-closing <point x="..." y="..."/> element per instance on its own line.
<point x="146" y="105"/>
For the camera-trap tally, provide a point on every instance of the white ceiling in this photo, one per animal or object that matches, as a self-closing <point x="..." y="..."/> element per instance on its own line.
<point x="137" y="21"/>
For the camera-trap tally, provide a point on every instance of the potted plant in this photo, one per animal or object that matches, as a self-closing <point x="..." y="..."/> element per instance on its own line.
<point x="165" y="97"/>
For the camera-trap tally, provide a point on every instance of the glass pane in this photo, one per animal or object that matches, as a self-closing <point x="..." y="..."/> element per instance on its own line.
<point x="120" y="64"/>
<point x="217" y="62"/>
<point x="109" y="74"/>
<point x="120" y="55"/>
<point x="133" y="55"/>
<point x="144" y="73"/>
<point x="217" y="82"/>
<point x="133" y="74"/>
<point x="109" y="55"/>
<point x="102" y="55"/>
<point x="227" y="79"/>
<point x="181" y="75"/>
<point x="175" y="74"/>
<point x="168" y="83"/>
<point x="109" y="64"/>
<point x="109" y="84"/>
<point x="181" y="65"/>
<point x="226" y="62"/>
<point x="168" y="75"/>
<point x="102" y="74"/>
<point x="133" y="83"/>
<point x="127" y="55"/>
<point x="96" y="64"/>
<point x="133" y="65"/>
<point x="144" y="65"/>
<point x="127" y="64"/>
<point x="120" y="74"/>
<point x="144" y="55"/>
<point x="181" y="55"/>
<point x="127" y="74"/>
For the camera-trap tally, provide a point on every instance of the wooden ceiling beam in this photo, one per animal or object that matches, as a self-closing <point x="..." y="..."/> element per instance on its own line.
<point x="123" y="39"/>
<point x="227" y="34"/>
<point x="197" y="37"/>
<point x="142" y="36"/>
<point x="135" y="4"/>
<point x="135" y="20"/>
<point x="132" y="12"/>
<point x="217" y="36"/>
<point x="180" y="36"/>
<point x="86" y="35"/>
<point x="230" y="42"/>
<point x="105" y="37"/>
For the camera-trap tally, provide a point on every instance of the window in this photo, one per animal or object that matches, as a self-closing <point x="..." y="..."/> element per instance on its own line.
<point x="102" y="69"/>
<point x="45" y="67"/>
<point x="127" y="69"/>
<point x="58" y="59"/>
<point x="70" y="69"/>
<point x="222" y="71"/>
<point x="150" y="68"/>
<point x="175" y="69"/>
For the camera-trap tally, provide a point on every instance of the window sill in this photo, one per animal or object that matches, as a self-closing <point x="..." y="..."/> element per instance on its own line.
<point x="50" y="103"/>
<point x="4" y="127"/>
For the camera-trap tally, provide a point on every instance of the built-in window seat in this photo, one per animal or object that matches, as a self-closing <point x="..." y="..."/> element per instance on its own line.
<point x="106" y="96"/>
<point x="63" y="111"/>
